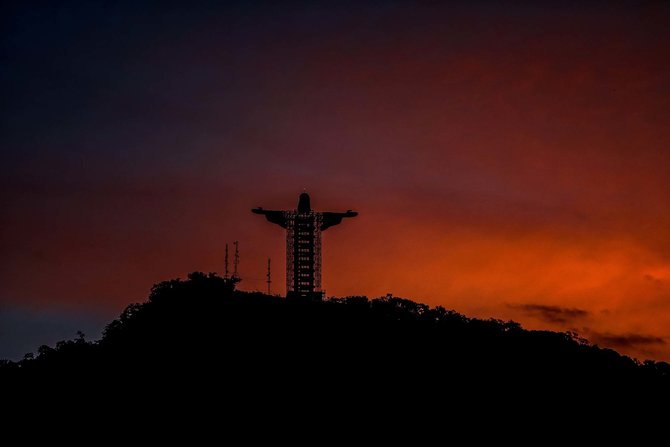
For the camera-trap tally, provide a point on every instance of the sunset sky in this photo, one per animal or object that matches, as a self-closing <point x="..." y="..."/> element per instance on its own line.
<point x="509" y="159"/>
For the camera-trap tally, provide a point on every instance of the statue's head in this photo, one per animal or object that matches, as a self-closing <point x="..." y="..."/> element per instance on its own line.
<point x="303" y="203"/>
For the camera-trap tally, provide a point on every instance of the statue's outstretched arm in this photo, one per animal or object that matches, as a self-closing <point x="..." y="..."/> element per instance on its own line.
<point x="276" y="217"/>
<point x="330" y="219"/>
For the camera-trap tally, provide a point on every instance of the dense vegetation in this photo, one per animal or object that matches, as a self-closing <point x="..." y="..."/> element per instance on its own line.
<point x="199" y="333"/>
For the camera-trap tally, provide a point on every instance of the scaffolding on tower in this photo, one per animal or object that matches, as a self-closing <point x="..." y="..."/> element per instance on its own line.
<point x="303" y="245"/>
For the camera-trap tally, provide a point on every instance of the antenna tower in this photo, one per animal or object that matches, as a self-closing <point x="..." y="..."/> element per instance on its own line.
<point x="227" y="272"/>
<point x="236" y="261"/>
<point x="269" y="276"/>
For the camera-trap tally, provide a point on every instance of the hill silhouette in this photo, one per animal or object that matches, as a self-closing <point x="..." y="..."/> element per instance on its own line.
<point x="201" y="334"/>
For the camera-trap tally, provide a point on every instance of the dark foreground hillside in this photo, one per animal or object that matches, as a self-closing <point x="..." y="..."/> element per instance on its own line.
<point x="198" y="337"/>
